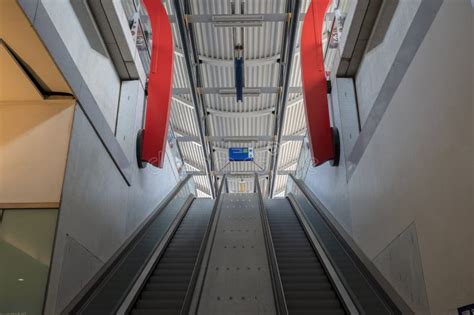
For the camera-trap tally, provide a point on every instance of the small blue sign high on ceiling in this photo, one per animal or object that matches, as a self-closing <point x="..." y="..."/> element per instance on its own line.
<point x="240" y="154"/>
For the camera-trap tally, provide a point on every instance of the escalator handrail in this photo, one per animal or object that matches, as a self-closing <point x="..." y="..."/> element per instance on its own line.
<point x="135" y="289"/>
<point x="92" y="287"/>
<point x="343" y="291"/>
<point x="280" y="301"/>
<point x="376" y="280"/>
<point x="192" y="297"/>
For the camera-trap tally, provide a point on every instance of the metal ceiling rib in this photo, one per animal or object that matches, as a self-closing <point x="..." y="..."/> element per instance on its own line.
<point x="255" y="116"/>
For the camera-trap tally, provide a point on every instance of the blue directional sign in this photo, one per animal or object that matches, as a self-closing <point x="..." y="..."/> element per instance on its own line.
<point x="240" y="154"/>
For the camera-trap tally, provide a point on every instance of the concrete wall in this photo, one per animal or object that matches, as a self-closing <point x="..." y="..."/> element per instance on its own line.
<point x="377" y="62"/>
<point x="409" y="201"/>
<point x="96" y="69"/>
<point x="98" y="209"/>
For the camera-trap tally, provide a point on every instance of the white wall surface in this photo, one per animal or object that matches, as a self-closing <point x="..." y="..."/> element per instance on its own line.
<point x="98" y="210"/>
<point x="418" y="166"/>
<point x="97" y="70"/>
<point x="416" y="175"/>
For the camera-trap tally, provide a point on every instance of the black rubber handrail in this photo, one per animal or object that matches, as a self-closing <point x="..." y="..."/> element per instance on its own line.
<point x="174" y="226"/>
<point x="376" y="281"/>
<point x="305" y="225"/>
<point x="278" y="293"/>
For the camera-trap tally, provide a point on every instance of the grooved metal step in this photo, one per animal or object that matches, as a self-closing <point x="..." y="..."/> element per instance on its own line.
<point x="306" y="285"/>
<point x="166" y="288"/>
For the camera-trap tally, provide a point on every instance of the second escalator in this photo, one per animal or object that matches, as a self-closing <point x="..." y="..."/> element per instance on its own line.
<point x="168" y="284"/>
<point x="306" y="286"/>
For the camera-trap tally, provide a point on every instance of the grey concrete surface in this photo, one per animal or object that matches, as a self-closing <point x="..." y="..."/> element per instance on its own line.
<point x="97" y="70"/>
<point x="132" y="98"/>
<point x="344" y="96"/>
<point x="383" y="68"/>
<point x="89" y="26"/>
<point x="401" y="263"/>
<point x="377" y="63"/>
<point x="76" y="257"/>
<point x="238" y="278"/>
<point x="29" y="7"/>
<point x="98" y="209"/>
<point x="327" y="182"/>
<point x="384" y="19"/>
<point x="417" y="165"/>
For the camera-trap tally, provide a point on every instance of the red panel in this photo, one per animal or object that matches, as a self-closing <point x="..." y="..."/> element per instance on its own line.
<point x="314" y="83"/>
<point x="159" y="85"/>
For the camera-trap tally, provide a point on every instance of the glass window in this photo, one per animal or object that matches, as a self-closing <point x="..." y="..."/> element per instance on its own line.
<point x="26" y="244"/>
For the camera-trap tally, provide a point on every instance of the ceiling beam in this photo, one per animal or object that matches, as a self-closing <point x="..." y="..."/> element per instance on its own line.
<point x="241" y="173"/>
<point x="250" y="62"/>
<point x="234" y="18"/>
<point x="288" y="165"/>
<point x="288" y="54"/>
<point x="193" y="165"/>
<point x="188" y="53"/>
<point x="240" y="138"/>
<point x="254" y="113"/>
<point x="223" y="113"/>
<point x="230" y="91"/>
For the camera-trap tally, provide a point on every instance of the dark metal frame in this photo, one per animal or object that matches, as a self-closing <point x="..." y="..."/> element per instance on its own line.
<point x="188" y="51"/>
<point x="287" y="60"/>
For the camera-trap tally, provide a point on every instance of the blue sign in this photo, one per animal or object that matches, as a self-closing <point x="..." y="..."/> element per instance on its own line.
<point x="240" y="154"/>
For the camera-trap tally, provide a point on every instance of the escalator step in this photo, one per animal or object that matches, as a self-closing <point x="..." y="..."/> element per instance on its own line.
<point x="153" y="304"/>
<point x="153" y="312"/>
<point x="320" y="312"/>
<point x="305" y="283"/>
<point x="167" y="285"/>
<point x="146" y="295"/>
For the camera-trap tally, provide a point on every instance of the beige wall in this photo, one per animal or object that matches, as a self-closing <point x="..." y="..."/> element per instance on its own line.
<point x="418" y="167"/>
<point x="34" y="139"/>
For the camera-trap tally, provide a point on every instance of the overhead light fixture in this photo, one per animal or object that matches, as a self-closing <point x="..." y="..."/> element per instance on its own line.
<point x="21" y="279"/>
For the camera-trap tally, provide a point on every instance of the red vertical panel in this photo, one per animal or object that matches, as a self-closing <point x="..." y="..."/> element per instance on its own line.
<point x="159" y="85"/>
<point x="314" y="83"/>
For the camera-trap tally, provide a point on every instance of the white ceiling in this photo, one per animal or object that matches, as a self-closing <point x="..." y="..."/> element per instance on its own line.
<point x="226" y="117"/>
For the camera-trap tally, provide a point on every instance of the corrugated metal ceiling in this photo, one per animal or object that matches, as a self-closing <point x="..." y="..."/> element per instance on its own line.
<point x="226" y="117"/>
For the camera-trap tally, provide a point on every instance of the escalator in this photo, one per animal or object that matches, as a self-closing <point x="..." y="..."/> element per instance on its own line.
<point x="307" y="287"/>
<point x="166" y="288"/>
<point x="239" y="254"/>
